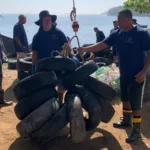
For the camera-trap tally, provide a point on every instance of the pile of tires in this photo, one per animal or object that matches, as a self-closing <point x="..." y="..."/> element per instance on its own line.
<point x="43" y="117"/>
<point x="24" y="67"/>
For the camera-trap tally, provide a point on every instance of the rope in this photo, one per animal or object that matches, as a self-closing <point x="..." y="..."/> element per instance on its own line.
<point x="73" y="12"/>
<point x="73" y="15"/>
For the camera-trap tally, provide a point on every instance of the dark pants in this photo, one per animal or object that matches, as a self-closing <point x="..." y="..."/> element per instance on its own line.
<point x="132" y="92"/>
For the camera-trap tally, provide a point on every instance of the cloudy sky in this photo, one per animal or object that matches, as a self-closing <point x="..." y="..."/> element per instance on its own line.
<point x="57" y="6"/>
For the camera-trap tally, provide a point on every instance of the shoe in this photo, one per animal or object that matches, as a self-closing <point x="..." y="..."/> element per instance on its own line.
<point x="126" y="121"/>
<point x="2" y="101"/>
<point x="136" y="133"/>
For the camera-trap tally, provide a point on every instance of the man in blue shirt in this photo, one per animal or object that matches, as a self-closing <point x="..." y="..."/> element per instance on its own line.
<point x="116" y="26"/>
<point x="47" y="39"/>
<point x="20" y="38"/>
<point x="133" y="50"/>
<point x="99" y="35"/>
<point x="2" y="101"/>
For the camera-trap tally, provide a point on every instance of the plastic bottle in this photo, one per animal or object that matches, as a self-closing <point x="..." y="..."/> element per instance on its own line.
<point x="99" y="71"/>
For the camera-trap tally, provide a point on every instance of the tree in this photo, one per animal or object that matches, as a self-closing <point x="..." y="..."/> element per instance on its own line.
<point x="140" y="6"/>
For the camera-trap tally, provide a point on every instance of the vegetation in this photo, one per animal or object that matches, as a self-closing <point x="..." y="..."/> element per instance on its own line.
<point x="140" y="6"/>
<point x="114" y="11"/>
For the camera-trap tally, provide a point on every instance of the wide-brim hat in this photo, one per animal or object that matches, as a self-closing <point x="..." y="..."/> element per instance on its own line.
<point x="43" y="14"/>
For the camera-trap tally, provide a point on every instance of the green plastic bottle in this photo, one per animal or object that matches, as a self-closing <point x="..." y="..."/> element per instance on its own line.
<point x="99" y="71"/>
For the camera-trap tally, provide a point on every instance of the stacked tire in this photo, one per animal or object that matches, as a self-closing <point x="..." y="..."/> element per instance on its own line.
<point x="43" y="117"/>
<point x="24" y="67"/>
<point x="12" y="64"/>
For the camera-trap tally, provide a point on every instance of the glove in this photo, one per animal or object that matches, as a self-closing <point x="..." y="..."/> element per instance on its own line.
<point x="33" y="69"/>
<point x="75" y="59"/>
<point x="5" y="59"/>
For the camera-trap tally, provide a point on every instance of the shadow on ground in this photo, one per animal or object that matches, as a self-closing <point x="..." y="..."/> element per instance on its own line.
<point x="104" y="140"/>
<point x="9" y="96"/>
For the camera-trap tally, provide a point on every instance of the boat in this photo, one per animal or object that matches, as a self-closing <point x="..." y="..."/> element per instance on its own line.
<point x="8" y="46"/>
<point x="143" y="26"/>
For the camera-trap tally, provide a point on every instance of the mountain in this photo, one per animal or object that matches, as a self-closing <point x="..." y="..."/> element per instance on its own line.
<point x="114" y="12"/>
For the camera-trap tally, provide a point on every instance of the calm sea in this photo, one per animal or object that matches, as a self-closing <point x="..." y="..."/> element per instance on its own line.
<point x="87" y="22"/>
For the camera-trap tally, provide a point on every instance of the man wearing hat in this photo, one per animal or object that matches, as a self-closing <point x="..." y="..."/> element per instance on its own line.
<point x="48" y="38"/>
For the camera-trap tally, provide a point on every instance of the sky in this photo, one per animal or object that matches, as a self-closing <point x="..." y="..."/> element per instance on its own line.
<point x="57" y="6"/>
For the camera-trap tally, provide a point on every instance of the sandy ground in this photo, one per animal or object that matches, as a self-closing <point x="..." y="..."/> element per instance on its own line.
<point x="105" y="137"/>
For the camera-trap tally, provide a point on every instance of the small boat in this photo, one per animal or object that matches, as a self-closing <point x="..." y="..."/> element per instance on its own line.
<point x="8" y="45"/>
<point x="143" y="26"/>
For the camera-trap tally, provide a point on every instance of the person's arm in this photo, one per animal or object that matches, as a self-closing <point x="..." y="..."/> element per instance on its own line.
<point x="18" y="41"/>
<point x="64" y="42"/>
<point x="96" y="47"/>
<point x="2" y="47"/>
<point x="34" y="58"/>
<point x="115" y="58"/>
<point x="107" y="42"/>
<point x="34" y="53"/>
<point x="140" y="77"/>
<point x="147" y="64"/>
<point x="17" y="31"/>
<point x="103" y="36"/>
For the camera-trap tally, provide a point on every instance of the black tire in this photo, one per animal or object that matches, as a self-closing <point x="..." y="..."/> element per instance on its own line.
<point x="77" y="123"/>
<point x="34" y="82"/>
<point x="26" y="64"/>
<point x="52" y="128"/>
<point x="12" y="64"/>
<point x="102" y="60"/>
<point x="56" y="64"/>
<point x="91" y="104"/>
<point x="23" y="74"/>
<point x="28" y="104"/>
<point x="79" y="74"/>
<point x="100" y="88"/>
<point x="100" y="64"/>
<point x="34" y="121"/>
<point x="107" y="110"/>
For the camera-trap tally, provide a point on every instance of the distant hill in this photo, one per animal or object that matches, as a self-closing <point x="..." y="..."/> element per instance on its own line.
<point x="114" y="11"/>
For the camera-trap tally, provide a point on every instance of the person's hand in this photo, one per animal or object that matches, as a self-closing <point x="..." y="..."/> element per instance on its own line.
<point x="4" y="55"/>
<point x="24" y="48"/>
<point x="81" y="50"/>
<point x="140" y="77"/>
<point x="68" y="49"/>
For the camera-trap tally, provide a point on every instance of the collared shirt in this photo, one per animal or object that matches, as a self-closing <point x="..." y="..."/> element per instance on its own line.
<point x="131" y="49"/>
<point x="46" y="42"/>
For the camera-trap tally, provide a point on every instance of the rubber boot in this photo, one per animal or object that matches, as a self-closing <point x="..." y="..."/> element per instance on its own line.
<point x="126" y="121"/>
<point x="136" y="133"/>
<point x="2" y="101"/>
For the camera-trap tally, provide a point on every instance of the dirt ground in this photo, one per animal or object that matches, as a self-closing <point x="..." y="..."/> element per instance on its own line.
<point x="105" y="137"/>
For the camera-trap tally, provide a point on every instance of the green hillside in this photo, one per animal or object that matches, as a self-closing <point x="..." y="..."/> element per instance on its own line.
<point x="114" y="11"/>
